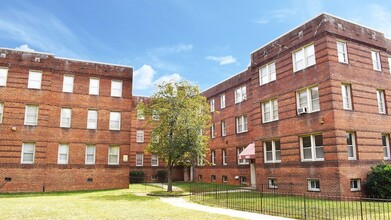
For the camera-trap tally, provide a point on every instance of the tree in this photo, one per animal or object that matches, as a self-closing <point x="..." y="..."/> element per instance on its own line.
<point x="178" y="114"/>
<point x="379" y="181"/>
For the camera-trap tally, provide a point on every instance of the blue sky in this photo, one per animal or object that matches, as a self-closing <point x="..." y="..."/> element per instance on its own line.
<point x="203" y="41"/>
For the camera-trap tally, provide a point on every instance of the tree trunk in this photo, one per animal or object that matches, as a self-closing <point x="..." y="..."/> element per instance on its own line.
<point x="169" y="179"/>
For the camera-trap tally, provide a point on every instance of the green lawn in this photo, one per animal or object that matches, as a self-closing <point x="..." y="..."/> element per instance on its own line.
<point x="109" y="204"/>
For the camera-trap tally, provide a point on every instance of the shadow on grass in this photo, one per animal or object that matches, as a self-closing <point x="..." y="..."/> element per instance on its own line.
<point x="123" y="197"/>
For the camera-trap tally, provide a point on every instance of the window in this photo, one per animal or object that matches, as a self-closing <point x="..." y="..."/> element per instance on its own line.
<point x="140" y="114"/>
<point x="389" y="63"/>
<point x="35" y="78"/>
<point x="213" y="157"/>
<point x="272" y="183"/>
<point x="155" y="138"/>
<point x="222" y="100"/>
<point x="199" y="177"/>
<point x="225" y="179"/>
<point x="243" y="179"/>
<point x="355" y="185"/>
<point x="376" y="60"/>
<point x="223" y="129"/>
<point x="116" y="88"/>
<point x="308" y="99"/>
<point x="381" y="104"/>
<point x="92" y="119"/>
<point x="351" y="144"/>
<point x="213" y="130"/>
<point x="346" y="97"/>
<point x="241" y="161"/>
<point x="342" y="52"/>
<point x="303" y="58"/>
<point x="200" y="160"/>
<point x="67" y="85"/>
<point x="139" y="159"/>
<point x="272" y="151"/>
<point x="386" y="146"/>
<point x="3" y="76"/>
<point x="63" y="154"/>
<point x="212" y="105"/>
<point x="241" y="124"/>
<point x="267" y="73"/>
<point x="113" y="155"/>
<point x="31" y="116"/>
<point x="270" y="111"/>
<point x="240" y="94"/>
<point x="140" y="136"/>
<point x="154" y="160"/>
<point x="224" y="155"/>
<point x="213" y="178"/>
<point x="115" y="121"/>
<point x="90" y="154"/>
<point x="65" y="121"/>
<point x="1" y="112"/>
<point x="94" y="86"/>
<point x="312" y="148"/>
<point x="28" y="153"/>
<point x="155" y="115"/>
<point x="313" y="185"/>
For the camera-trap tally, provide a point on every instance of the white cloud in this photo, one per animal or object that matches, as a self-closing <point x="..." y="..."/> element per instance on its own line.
<point x="222" y="60"/>
<point x="169" y="79"/>
<point x="173" y="49"/>
<point x="25" y="47"/>
<point x="273" y="15"/>
<point x="142" y="77"/>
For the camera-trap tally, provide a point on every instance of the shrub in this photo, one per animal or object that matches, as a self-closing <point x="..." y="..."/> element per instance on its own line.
<point x="379" y="181"/>
<point x="136" y="176"/>
<point x="161" y="175"/>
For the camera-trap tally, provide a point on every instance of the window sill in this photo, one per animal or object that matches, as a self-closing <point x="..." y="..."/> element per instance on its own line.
<point x="271" y="162"/>
<point x="355" y="190"/>
<point x="317" y="160"/>
<point x="313" y="190"/>
<point x="265" y="122"/>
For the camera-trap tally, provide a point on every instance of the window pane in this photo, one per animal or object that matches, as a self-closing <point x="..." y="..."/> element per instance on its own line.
<point x="310" y="54"/>
<point x="3" y="76"/>
<point x="319" y="152"/>
<point x="303" y="99"/>
<point x="94" y="86"/>
<point x="318" y="140"/>
<point x="306" y="142"/>
<point x="272" y="70"/>
<point x="307" y="152"/>
<point x="315" y="99"/>
<point x="116" y="88"/>
<point x="299" y="60"/>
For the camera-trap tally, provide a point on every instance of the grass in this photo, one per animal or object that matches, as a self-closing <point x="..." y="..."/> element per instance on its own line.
<point x="108" y="204"/>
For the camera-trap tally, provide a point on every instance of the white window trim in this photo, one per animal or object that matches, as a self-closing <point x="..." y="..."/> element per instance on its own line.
<point x="224" y="157"/>
<point x="155" y="115"/>
<point x="222" y="101"/>
<point x="22" y="159"/>
<point x="358" y="185"/>
<point x="346" y="94"/>
<point x="31" y="74"/>
<point x="86" y="155"/>
<point x="212" y="105"/>
<point x="119" y="122"/>
<point x="68" y="88"/>
<point x="381" y="104"/>
<point x="1" y="112"/>
<point x="313" y="148"/>
<point x="113" y="92"/>
<point x="310" y="187"/>
<point x="353" y="146"/>
<point x="272" y="116"/>
<point x="388" y="157"/>
<point x="305" y="64"/>
<point x="140" y="136"/>
<point x="118" y="154"/>
<point x="241" y="119"/>
<point x="213" y="157"/>
<point x="240" y="94"/>
<point x="309" y="98"/>
<point x="156" y="159"/>
<point x="376" y="60"/>
<point x="90" y="119"/>
<point x="90" y="89"/>
<point x="59" y="161"/>
<point x="35" y="123"/>
<point x="268" y="73"/>
<point x="224" y="178"/>
<point x="223" y="128"/>
<point x="274" y="152"/>
<point x="4" y="72"/>
<point x="389" y="64"/>
<point x="200" y="160"/>
<point x="270" y="183"/>
<point x="142" y="160"/>
<point x="62" y="123"/>
<point x="239" y="161"/>
<point x="213" y="131"/>
<point x="343" y="53"/>
<point x="140" y="114"/>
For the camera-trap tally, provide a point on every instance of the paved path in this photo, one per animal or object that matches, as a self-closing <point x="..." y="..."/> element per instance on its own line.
<point x="180" y="202"/>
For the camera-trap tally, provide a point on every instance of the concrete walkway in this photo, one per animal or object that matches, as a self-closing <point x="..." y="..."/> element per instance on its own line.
<point x="180" y="202"/>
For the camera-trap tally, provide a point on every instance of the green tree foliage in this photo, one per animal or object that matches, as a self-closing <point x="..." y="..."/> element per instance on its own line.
<point x="379" y="181"/>
<point x="178" y="114"/>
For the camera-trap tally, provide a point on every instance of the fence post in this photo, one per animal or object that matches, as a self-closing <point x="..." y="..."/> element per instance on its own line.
<point x="226" y="193"/>
<point x="305" y="207"/>
<point x="361" y="211"/>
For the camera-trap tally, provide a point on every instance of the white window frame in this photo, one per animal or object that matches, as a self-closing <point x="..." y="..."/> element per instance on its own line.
<point x="1" y="112"/>
<point x="67" y="84"/>
<point x="200" y="160"/>
<point x="27" y="114"/>
<point x="346" y="96"/>
<point x="270" y="73"/>
<point x="342" y="52"/>
<point x="240" y="94"/>
<point x="93" y="87"/>
<point x="224" y="157"/>
<point x="351" y="146"/>
<point x="313" y="148"/>
<point x="222" y="101"/>
<point x="223" y="128"/>
<point x="241" y="161"/>
<point x="274" y="152"/>
<point x="116" y="92"/>
<point x="140" y="114"/>
<point x="113" y="122"/>
<point x="309" y="100"/>
<point x="376" y="61"/>
<point x="155" y="138"/>
<point x="154" y="160"/>
<point x="93" y="153"/>
<point x="213" y="131"/>
<point x="140" y="136"/>
<point x="213" y="178"/>
<point x="354" y="182"/>
<point x="305" y="57"/>
<point x="313" y="185"/>
<point x="386" y="146"/>
<point x="115" y="152"/>
<point x="63" y="149"/>
<point x="381" y="103"/>
<point x="63" y="118"/>
<point x="213" y="157"/>
<point x="92" y="119"/>
<point x="272" y="183"/>
<point x="271" y="107"/>
<point x="389" y="64"/>
<point x="3" y="76"/>
<point x="139" y="159"/>
<point x="241" y="124"/>
<point x="24" y="151"/>
<point x="224" y="178"/>
<point x="34" y="80"/>
<point x="155" y="115"/>
<point x="212" y="105"/>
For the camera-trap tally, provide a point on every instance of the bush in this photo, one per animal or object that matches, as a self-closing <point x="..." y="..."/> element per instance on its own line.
<point x="136" y="176"/>
<point x="379" y="181"/>
<point x="161" y="175"/>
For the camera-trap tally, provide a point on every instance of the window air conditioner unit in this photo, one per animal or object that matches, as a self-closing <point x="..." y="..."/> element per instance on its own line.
<point x="302" y="110"/>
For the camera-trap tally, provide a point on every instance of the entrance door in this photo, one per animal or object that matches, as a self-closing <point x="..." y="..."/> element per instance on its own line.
<point x="253" y="174"/>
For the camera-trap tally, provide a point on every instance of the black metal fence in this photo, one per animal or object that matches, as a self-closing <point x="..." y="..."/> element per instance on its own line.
<point x="304" y="206"/>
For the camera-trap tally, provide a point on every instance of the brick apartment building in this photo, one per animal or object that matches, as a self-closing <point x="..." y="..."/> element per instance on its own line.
<point x="64" y="124"/>
<point x="311" y="112"/>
